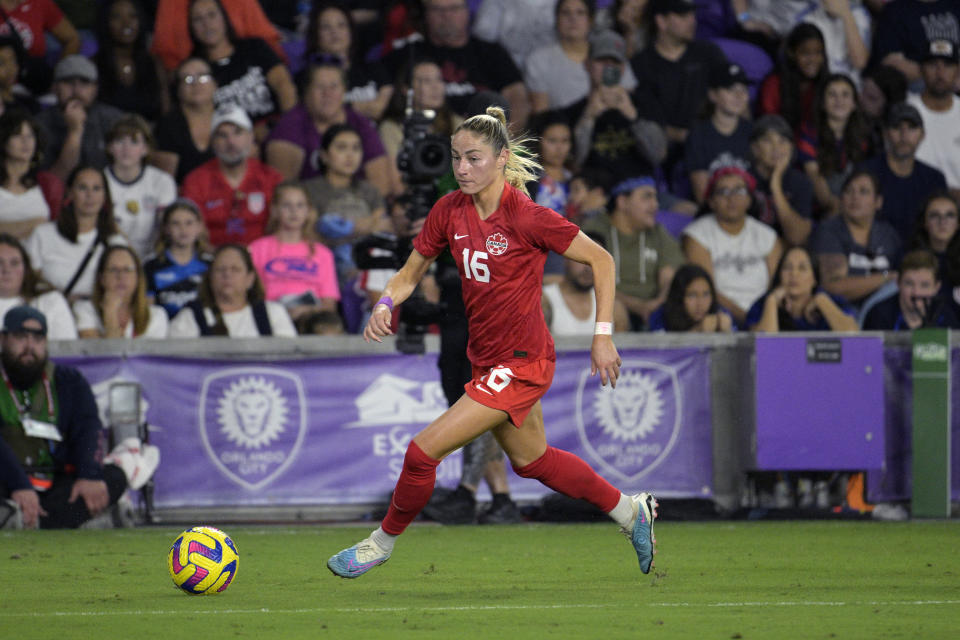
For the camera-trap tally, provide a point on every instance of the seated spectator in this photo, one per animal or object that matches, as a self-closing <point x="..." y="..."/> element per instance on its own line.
<point x="691" y="305"/>
<point x="55" y="482"/>
<point x="791" y="89"/>
<point x="183" y="134"/>
<point x="739" y="252"/>
<point x="293" y="147"/>
<point x="22" y="202"/>
<point x="130" y="79"/>
<point x="723" y="137"/>
<point x="905" y="28"/>
<point x="119" y="307"/>
<point x="231" y="302"/>
<point x="556" y="73"/>
<point x="320" y="323"/>
<point x="588" y="195"/>
<point x="182" y="257"/>
<point x="645" y="254"/>
<point x="838" y="142"/>
<point x="918" y="303"/>
<point x="331" y="35"/>
<point x="19" y="285"/>
<point x="14" y="95"/>
<point x="518" y="27"/>
<point x="881" y="88"/>
<point x="845" y="25"/>
<point x="903" y="178"/>
<point x="248" y="72"/>
<point x="784" y="194"/>
<point x="940" y="109"/>
<point x="137" y="190"/>
<point x="74" y="129"/>
<point x="627" y="18"/>
<point x="295" y="268"/>
<point x="65" y="252"/>
<point x="30" y="21"/>
<point x="795" y="301"/>
<point x="936" y="227"/>
<point x="856" y="254"/>
<point x="233" y="189"/>
<point x="553" y="188"/>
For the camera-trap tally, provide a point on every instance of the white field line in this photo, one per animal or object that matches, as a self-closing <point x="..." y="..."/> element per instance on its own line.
<point x="545" y="607"/>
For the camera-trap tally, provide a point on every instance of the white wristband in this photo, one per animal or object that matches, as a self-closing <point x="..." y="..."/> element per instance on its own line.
<point x="603" y="329"/>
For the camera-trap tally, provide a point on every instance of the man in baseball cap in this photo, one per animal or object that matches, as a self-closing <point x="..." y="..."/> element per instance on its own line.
<point x="939" y="110"/>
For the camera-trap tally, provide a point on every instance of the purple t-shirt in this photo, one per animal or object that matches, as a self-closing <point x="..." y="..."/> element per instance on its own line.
<point x="296" y="127"/>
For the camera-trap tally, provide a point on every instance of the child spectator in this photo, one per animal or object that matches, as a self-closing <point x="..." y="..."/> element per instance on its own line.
<point x="588" y="194"/>
<point x="182" y="257"/>
<point x="791" y="90"/>
<point x="295" y="268"/>
<point x="137" y="190"/>
<point x="691" y="305"/>
<point x="917" y="303"/>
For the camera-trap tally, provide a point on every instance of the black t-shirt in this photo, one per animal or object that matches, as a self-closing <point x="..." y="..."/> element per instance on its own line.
<point x="364" y="81"/>
<point x="477" y="66"/>
<point x="907" y="26"/>
<point x="672" y="93"/>
<point x="902" y="197"/>
<point x="173" y="135"/>
<point x="242" y="78"/>
<point x="886" y="315"/>
<point x="707" y="149"/>
<point x="796" y="187"/>
<point x="613" y="147"/>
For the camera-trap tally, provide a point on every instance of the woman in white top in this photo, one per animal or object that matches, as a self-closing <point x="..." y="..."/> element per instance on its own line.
<point x="20" y="285"/>
<point x="231" y="302"/>
<point x="22" y="205"/>
<point x="119" y="306"/>
<point x="739" y="252"/>
<point x="66" y="252"/>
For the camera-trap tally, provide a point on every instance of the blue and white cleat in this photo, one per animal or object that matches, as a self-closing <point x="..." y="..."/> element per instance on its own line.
<point x="358" y="559"/>
<point x="641" y="535"/>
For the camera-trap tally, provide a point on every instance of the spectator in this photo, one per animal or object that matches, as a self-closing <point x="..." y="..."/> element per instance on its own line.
<point x="233" y="189"/>
<point x="856" y="253"/>
<point x="691" y="305"/>
<point x="138" y="191"/>
<point x="791" y="89"/>
<point x="903" y="179"/>
<point x="881" y="87"/>
<point x="183" y="135"/>
<point x="248" y="72"/>
<point x="470" y="65"/>
<point x="627" y="17"/>
<point x="553" y="188"/>
<point x="644" y="253"/>
<point x="74" y="129"/>
<point x="765" y="22"/>
<point x="130" y="79"/>
<point x="609" y="113"/>
<point x="795" y="301"/>
<point x="556" y="73"/>
<point x="838" y="141"/>
<point x="22" y="202"/>
<point x="937" y="227"/>
<point x="19" y="285"/>
<point x="569" y="305"/>
<point x="784" y="194"/>
<point x="231" y="302"/>
<point x="588" y="195"/>
<point x="331" y="34"/>
<point x="49" y="449"/>
<point x="723" y="137"/>
<point x="295" y="268"/>
<point x="917" y="303"/>
<point x="518" y="27"/>
<point x="906" y="27"/>
<point x="12" y="93"/>
<point x="320" y="323"/>
<point x="739" y="252"/>
<point x="293" y="147"/>
<point x="845" y="25"/>
<point x="173" y="277"/>
<point x="65" y="252"/>
<point x="30" y="21"/>
<point x="119" y="307"/>
<point x="940" y="110"/>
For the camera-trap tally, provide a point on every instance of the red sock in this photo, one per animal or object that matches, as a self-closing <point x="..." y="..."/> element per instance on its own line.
<point x="413" y="490"/>
<point x="564" y="472"/>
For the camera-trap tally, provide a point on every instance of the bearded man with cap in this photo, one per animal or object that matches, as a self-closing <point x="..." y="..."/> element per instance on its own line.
<point x="75" y="128"/>
<point x="940" y="110"/>
<point x="233" y="189"/>
<point x="50" y="472"/>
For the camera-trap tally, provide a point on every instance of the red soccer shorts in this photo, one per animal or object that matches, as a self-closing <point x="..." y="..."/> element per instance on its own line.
<point x="514" y="389"/>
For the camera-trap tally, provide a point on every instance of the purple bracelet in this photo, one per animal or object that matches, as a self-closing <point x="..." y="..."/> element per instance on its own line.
<point x="387" y="300"/>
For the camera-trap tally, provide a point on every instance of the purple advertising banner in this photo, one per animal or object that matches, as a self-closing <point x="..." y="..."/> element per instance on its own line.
<point x="334" y="430"/>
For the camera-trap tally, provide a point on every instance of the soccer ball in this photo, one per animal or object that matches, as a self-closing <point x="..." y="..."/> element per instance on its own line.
<point x="203" y="560"/>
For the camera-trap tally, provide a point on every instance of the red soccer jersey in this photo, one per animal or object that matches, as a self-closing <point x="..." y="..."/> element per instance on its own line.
<point x="500" y="260"/>
<point x="232" y="215"/>
<point x="32" y="20"/>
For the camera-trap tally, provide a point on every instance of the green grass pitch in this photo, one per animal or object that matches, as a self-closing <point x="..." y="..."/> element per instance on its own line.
<point x="780" y="580"/>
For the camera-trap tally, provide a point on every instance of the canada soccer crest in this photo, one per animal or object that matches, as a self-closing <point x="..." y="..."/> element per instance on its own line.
<point x="497" y="244"/>
<point x="630" y="430"/>
<point x="252" y="422"/>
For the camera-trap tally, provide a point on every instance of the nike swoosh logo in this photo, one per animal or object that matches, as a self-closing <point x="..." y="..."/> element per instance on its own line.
<point x="456" y="237"/>
<point x="489" y="393"/>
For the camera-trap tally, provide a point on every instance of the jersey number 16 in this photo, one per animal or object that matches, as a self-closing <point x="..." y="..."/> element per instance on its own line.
<point x="474" y="266"/>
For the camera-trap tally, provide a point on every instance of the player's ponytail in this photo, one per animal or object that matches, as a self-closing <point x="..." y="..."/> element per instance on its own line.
<point x="522" y="166"/>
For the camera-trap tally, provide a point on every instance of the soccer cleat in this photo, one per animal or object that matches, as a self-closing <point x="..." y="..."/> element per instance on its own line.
<point x="358" y="559"/>
<point x="641" y="535"/>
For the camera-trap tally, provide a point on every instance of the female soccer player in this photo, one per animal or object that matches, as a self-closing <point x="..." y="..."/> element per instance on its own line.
<point x="500" y="239"/>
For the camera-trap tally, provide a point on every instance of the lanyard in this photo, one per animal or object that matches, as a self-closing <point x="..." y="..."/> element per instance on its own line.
<point x="24" y="410"/>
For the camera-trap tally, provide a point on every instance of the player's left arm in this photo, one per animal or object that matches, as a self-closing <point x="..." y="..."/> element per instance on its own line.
<point x="603" y="353"/>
